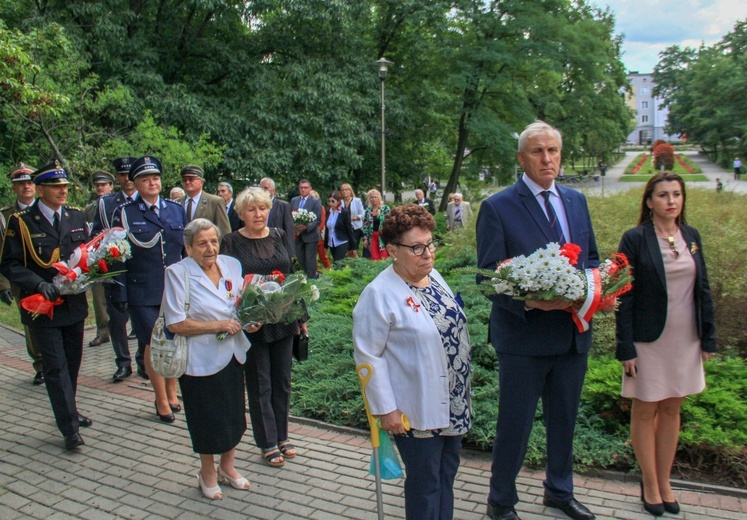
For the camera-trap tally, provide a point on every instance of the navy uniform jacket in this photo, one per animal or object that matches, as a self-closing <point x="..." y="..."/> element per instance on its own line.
<point x="105" y="207"/>
<point x="143" y="283"/>
<point x="511" y="223"/>
<point x="25" y="253"/>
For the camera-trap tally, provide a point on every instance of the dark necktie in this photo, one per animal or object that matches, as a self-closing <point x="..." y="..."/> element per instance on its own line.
<point x="458" y="213"/>
<point x="154" y="209"/>
<point x="301" y="205"/>
<point x="189" y="210"/>
<point x="56" y="222"/>
<point x="129" y="199"/>
<point x="553" y="218"/>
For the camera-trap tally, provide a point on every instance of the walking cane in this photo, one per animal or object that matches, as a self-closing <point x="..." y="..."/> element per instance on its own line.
<point x="365" y="371"/>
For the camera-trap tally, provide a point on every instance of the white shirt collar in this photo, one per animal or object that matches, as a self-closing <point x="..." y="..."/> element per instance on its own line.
<point x="49" y="212"/>
<point x="536" y="189"/>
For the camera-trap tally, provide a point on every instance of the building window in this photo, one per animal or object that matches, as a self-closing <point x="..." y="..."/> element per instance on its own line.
<point x="644" y="119"/>
<point x="644" y="90"/>
<point x="644" y="104"/>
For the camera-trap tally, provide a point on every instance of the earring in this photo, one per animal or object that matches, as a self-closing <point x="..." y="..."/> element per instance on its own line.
<point x="395" y="259"/>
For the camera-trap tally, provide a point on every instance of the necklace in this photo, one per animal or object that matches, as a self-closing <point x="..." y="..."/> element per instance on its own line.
<point x="670" y="239"/>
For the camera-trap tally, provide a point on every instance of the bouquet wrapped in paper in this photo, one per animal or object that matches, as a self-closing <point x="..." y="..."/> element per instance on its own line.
<point x="301" y="217"/>
<point x="91" y="263"/>
<point x="549" y="274"/>
<point x="274" y="298"/>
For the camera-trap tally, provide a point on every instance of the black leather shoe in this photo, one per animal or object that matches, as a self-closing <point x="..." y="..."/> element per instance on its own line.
<point x="572" y="508"/>
<point x="502" y="512"/>
<point x="654" y="509"/>
<point x="175" y="407"/>
<point x="98" y="341"/>
<point x="84" y="421"/>
<point x="168" y="418"/>
<point x="142" y="373"/>
<point x="39" y="378"/>
<point x="73" y="441"/>
<point x="121" y="374"/>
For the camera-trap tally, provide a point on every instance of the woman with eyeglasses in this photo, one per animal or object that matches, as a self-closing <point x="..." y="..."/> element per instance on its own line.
<point x="409" y="327"/>
<point x="665" y="331"/>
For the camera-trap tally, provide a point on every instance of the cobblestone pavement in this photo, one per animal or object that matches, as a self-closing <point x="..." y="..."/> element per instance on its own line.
<point x="134" y="466"/>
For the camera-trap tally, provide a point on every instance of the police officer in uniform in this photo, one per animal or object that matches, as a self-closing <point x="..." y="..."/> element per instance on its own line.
<point x="155" y="229"/>
<point x="44" y="233"/>
<point x="103" y="183"/>
<point x="25" y="192"/>
<point x="102" y="219"/>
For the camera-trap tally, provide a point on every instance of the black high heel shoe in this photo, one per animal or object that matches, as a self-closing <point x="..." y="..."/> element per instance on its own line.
<point x="167" y="418"/>
<point x="175" y="407"/>
<point x="654" y="509"/>
<point x="672" y="507"/>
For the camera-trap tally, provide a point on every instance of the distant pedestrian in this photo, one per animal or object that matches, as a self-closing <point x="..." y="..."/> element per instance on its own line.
<point x="458" y="213"/>
<point x="719" y="185"/>
<point x="737" y="168"/>
<point x="602" y="168"/>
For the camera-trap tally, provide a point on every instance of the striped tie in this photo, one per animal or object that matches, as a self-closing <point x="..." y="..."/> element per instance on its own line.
<point x="553" y="218"/>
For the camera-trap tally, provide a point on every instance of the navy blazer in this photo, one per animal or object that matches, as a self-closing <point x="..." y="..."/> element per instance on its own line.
<point x="511" y="223"/>
<point x="642" y="313"/>
<point x="144" y="281"/>
<point x="280" y="217"/>
<point x="343" y="228"/>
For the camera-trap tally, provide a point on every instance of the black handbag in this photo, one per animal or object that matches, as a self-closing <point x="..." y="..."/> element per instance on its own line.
<point x="301" y="347"/>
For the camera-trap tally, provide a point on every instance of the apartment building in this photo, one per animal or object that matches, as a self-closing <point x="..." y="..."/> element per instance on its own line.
<point x="650" y="119"/>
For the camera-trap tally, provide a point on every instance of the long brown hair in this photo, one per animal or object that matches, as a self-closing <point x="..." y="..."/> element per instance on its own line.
<point x="645" y="215"/>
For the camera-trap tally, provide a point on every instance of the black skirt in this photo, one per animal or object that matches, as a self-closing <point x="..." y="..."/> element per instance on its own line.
<point x="215" y="409"/>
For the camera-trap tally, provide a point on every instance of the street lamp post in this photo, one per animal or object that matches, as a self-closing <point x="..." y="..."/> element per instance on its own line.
<point x="383" y="65"/>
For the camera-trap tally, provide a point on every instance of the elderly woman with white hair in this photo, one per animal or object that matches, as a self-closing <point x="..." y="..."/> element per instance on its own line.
<point x="213" y="386"/>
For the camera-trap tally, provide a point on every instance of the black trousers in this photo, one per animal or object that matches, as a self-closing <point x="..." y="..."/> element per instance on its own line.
<point x="339" y="252"/>
<point x="306" y="254"/>
<point x="62" y="351"/>
<point x="118" y="331"/>
<point x="268" y="383"/>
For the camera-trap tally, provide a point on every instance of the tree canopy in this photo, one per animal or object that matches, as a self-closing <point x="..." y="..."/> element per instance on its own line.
<point x="286" y="88"/>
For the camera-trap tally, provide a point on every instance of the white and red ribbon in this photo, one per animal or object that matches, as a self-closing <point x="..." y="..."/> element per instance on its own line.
<point x="590" y="305"/>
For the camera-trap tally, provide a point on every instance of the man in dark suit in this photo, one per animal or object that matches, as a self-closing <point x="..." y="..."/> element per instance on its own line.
<point x="225" y="191"/>
<point x="103" y="184"/>
<point x="307" y="235"/>
<point x="199" y="204"/>
<point x="36" y="238"/>
<point x="25" y="191"/>
<point x="280" y="215"/>
<point x="421" y="200"/>
<point x="118" y="320"/>
<point x="540" y="351"/>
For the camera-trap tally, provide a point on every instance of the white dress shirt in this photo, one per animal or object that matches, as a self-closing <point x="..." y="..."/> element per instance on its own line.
<point x="555" y="200"/>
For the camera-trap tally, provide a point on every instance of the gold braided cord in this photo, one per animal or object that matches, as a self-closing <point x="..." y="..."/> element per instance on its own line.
<point x="28" y="245"/>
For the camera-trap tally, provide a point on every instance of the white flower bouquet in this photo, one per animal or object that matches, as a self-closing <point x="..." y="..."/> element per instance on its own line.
<point x="301" y="217"/>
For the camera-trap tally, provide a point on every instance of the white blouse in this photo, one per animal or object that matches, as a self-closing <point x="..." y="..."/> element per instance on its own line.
<point x="207" y="355"/>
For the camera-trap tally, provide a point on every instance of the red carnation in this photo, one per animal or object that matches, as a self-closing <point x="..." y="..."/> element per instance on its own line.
<point x="102" y="266"/>
<point x="114" y="252"/>
<point x="280" y="277"/>
<point x="570" y="251"/>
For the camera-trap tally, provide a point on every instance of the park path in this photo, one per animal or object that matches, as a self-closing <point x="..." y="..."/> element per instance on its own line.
<point x="135" y="467"/>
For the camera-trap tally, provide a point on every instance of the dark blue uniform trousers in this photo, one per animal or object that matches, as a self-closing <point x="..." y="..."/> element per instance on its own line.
<point x="523" y="380"/>
<point x="62" y="351"/>
<point x="431" y="465"/>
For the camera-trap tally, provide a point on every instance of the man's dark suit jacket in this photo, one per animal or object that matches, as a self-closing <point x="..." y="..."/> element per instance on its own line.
<point x="233" y="217"/>
<point x="511" y="223"/>
<point x="312" y="229"/>
<point x="643" y="311"/>
<point x="20" y="259"/>
<point x="281" y="218"/>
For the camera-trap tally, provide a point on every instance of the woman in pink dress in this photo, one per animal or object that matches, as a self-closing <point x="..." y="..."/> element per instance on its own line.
<point x="665" y="331"/>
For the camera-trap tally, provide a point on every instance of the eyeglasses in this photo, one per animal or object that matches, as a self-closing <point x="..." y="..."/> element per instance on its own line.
<point x="419" y="249"/>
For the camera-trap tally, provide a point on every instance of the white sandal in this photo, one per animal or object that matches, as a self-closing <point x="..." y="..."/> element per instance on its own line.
<point x="213" y="493"/>
<point x="236" y="483"/>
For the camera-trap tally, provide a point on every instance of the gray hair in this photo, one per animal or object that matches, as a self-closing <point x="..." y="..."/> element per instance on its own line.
<point x="272" y="183"/>
<point x="198" y="225"/>
<point x="536" y="129"/>
<point x="227" y="185"/>
<point x="252" y="195"/>
<point x="179" y="192"/>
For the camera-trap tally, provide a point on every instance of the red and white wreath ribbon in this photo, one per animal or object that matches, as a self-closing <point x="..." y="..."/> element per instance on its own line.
<point x="590" y="305"/>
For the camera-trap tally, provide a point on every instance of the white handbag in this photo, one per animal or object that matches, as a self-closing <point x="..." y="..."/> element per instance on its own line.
<point x="168" y="352"/>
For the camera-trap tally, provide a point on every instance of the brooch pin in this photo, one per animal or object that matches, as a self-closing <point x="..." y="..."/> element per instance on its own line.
<point x="693" y="248"/>
<point x="411" y="303"/>
<point x="229" y="287"/>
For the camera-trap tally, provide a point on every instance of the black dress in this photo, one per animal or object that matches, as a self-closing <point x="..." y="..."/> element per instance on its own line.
<point x="269" y="360"/>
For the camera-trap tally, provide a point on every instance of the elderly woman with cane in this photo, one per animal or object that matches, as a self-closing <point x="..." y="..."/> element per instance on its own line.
<point x="409" y="327"/>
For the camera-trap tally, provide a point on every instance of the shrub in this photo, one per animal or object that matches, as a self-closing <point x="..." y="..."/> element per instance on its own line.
<point x="663" y="156"/>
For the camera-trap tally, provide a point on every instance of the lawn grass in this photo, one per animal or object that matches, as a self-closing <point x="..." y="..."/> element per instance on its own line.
<point x="688" y="177"/>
